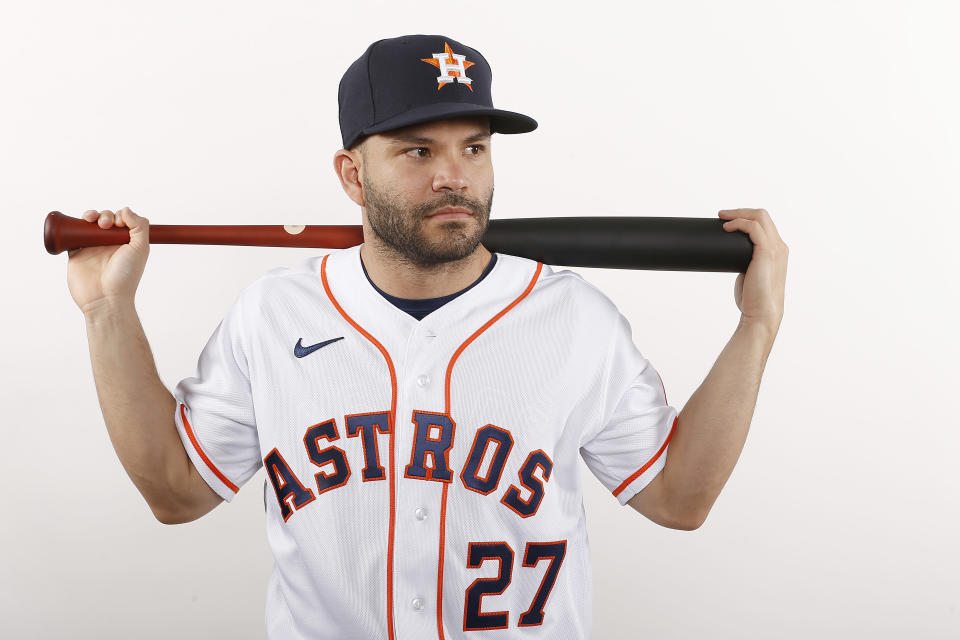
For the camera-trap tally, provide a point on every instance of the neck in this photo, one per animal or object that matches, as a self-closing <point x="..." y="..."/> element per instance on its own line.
<point x="403" y="279"/>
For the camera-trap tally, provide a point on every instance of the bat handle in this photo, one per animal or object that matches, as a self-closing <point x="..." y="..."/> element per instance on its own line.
<point x="63" y="233"/>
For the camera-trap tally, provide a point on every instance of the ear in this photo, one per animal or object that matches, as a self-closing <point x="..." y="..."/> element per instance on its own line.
<point x="347" y="165"/>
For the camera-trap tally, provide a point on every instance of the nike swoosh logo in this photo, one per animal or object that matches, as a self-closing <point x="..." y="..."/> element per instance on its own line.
<point x="299" y="350"/>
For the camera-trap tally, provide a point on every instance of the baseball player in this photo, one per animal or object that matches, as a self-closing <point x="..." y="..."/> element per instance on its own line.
<point x="419" y="405"/>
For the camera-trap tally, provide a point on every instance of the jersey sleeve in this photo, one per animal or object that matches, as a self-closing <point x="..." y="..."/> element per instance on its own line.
<point x="214" y="414"/>
<point x="629" y="447"/>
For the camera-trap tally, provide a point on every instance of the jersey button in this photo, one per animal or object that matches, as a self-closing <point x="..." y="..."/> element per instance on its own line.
<point x="421" y="513"/>
<point x="423" y="381"/>
<point x="417" y="604"/>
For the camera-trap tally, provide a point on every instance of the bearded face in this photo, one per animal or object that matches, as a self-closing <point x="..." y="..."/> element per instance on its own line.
<point x="405" y="228"/>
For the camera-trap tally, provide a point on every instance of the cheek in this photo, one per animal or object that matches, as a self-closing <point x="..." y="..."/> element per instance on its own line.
<point x="485" y="176"/>
<point x="409" y="186"/>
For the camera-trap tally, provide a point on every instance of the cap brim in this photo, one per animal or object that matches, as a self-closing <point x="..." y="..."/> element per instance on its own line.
<point x="500" y="121"/>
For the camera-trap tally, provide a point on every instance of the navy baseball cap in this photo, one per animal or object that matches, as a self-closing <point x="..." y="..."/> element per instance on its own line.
<point x="407" y="80"/>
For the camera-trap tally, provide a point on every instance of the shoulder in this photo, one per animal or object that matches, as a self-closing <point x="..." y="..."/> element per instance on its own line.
<point x="277" y="279"/>
<point x="576" y="289"/>
<point x="565" y="295"/>
<point x="280" y="283"/>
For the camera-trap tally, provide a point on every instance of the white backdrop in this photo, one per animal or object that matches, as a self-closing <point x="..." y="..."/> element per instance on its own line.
<point x="839" y="118"/>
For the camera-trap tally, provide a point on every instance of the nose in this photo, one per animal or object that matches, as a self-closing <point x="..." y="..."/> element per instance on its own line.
<point x="451" y="174"/>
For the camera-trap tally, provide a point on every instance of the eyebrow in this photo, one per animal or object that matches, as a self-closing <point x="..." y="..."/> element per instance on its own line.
<point x="409" y="138"/>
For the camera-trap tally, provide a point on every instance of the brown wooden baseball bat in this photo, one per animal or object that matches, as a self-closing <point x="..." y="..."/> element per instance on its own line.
<point x="666" y="244"/>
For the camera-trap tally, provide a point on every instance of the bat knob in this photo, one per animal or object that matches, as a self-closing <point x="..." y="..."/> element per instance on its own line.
<point x="63" y="233"/>
<point x="52" y="226"/>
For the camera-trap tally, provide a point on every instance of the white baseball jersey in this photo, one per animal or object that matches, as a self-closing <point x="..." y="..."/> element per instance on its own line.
<point x="423" y="477"/>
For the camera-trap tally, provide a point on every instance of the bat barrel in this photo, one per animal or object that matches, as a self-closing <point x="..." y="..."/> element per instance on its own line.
<point x="666" y="244"/>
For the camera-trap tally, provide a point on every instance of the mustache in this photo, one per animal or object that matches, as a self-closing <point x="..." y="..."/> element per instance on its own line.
<point x="452" y="200"/>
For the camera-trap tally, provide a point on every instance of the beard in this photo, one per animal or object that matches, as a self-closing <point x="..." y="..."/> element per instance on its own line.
<point x="400" y="226"/>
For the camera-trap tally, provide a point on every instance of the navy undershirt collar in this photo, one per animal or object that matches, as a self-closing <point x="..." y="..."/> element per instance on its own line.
<point x="420" y="308"/>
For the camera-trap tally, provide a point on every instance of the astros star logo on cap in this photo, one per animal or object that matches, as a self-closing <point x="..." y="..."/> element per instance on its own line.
<point x="453" y="67"/>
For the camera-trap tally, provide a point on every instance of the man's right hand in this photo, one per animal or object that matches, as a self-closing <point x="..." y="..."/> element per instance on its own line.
<point x="99" y="275"/>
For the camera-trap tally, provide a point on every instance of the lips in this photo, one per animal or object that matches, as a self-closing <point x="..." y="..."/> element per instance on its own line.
<point x="450" y="212"/>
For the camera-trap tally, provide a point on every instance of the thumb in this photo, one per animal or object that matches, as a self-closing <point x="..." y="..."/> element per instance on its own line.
<point x="138" y="225"/>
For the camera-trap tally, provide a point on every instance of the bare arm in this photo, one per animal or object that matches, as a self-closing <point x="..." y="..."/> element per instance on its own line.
<point x="713" y="425"/>
<point x="711" y="431"/>
<point x="137" y="408"/>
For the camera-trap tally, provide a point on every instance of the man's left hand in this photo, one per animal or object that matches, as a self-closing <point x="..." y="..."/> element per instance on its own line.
<point x="759" y="292"/>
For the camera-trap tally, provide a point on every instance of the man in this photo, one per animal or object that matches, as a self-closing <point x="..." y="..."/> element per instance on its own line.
<point x="418" y="404"/>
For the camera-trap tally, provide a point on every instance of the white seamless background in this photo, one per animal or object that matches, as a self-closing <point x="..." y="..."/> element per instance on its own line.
<point x="840" y="118"/>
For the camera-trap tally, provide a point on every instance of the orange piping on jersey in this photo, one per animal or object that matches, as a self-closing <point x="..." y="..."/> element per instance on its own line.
<point x="393" y="415"/>
<point x="443" y="519"/>
<point x="640" y="471"/>
<point x="443" y="505"/>
<point x="203" y="456"/>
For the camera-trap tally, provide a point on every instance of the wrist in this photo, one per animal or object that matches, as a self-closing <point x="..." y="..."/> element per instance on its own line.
<point x="103" y="309"/>
<point x="761" y="329"/>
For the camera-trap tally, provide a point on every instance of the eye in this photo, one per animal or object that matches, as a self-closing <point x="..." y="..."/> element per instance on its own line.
<point x="415" y="151"/>
<point x="479" y="149"/>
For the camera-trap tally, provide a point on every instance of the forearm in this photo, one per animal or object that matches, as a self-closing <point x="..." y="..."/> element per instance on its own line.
<point x="713" y="425"/>
<point x="137" y="408"/>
